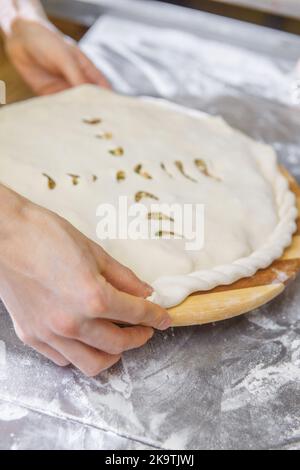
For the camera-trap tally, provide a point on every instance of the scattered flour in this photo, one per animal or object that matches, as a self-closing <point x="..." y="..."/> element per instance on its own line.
<point x="280" y="276"/>
<point x="264" y="321"/>
<point x="121" y="382"/>
<point x="261" y="384"/>
<point x="157" y="419"/>
<point x="178" y="440"/>
<point x="295" y="348"/>
<point x="2" y="353"/>
<point x="10" y="412"/>
<point x="117" y="403"/>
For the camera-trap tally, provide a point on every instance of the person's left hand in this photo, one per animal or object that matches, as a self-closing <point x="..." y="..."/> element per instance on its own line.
<point x="47" y="60"/>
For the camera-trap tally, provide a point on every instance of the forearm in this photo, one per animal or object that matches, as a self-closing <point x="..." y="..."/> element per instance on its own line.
<point x="12" y="9"/>
<point x="14" y="211"/>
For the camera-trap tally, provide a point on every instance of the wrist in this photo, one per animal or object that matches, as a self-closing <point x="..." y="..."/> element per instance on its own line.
<point x="13" y="227"/>
<point x="12" y="206"/>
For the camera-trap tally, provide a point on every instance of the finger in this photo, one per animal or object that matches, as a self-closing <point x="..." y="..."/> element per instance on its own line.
<point x="69" y="67"/>
<point x="90" y="70"/>
<point x="89" y="360"/>
<point x="123" y="307"/>
<point x="50" y="353"/>
<point x="66" y="67"/>
<point x="40" y="80"/>
<point x="121" y="277"/>
<point x="54" y="86"/>
<point x="108" y="337"/>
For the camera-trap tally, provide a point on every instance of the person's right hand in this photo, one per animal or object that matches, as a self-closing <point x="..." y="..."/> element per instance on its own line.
<point x="66" y="295"/>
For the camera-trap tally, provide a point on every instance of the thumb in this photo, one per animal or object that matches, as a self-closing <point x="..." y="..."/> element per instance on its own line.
<point x="119" y="276"/>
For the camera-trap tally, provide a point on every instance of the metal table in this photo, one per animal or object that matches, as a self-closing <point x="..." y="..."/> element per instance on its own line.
<point x="231" y="385"/>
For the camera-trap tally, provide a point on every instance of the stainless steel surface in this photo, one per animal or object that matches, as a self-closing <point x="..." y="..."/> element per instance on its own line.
<point x="289" y="8"/>
<point x="207" y="25"/>
<point x="232" y="385"/>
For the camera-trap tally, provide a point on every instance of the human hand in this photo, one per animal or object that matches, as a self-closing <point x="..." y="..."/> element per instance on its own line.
<point x="65" y="294"/>
<point x="47" y="60"/>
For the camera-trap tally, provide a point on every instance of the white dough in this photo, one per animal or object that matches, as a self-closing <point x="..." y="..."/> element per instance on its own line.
<point x="249" y="211"/>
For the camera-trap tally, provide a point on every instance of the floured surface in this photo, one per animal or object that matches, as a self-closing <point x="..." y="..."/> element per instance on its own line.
<point x="195" y="59"/>
<point x="59" y="142"/>
<point x="234" y="385"/>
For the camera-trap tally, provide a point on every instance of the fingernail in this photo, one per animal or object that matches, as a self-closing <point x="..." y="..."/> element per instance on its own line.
<point x="165" y="324"/>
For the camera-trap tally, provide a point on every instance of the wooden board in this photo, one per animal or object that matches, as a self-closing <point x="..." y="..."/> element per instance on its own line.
<point x="246" y="294"/>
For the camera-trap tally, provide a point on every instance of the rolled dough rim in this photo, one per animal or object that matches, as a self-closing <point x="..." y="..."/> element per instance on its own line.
<point x="172" y="290"/>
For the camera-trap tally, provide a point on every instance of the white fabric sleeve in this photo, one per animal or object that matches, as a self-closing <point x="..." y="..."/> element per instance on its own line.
<point x="10" y="9"/>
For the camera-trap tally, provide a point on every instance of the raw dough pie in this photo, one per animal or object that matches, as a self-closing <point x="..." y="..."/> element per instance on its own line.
<point x="72" y="151"/>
